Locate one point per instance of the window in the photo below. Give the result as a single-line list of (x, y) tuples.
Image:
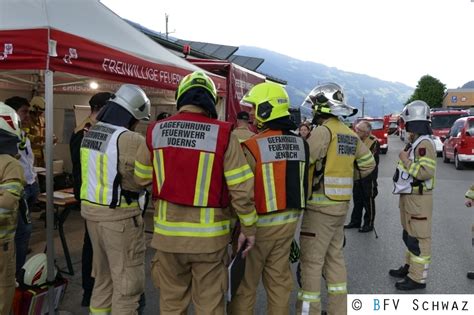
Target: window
[(376, 124), (443, 121), (470, 127), (456, 128)]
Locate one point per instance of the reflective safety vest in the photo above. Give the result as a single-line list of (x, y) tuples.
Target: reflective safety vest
[(339, 167), (403, 181), (99, 165), (188, 160), (281, 170)]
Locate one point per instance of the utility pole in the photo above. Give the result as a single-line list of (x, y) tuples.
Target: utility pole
[(363, 106), (166, 26)]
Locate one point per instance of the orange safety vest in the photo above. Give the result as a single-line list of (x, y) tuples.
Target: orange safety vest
[(281, 170), (188, 160)]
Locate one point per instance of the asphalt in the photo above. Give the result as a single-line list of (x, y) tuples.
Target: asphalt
[(368, 259)]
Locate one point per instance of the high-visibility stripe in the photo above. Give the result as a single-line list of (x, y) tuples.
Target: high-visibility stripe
[(365, 159), (203, 179), (84, 171), (142, 170), (337, 288), (14, 188), (278, 218), (423, 260), (100, 311), (207, 215), (123, 204), (162, 206), (338, 191), (7, 231), (309, 296), (4, 211), (320, 199), (192, 229), (338, 180), (269, 186), (249, 218), (302, 190), (159, 166), (238, 175)]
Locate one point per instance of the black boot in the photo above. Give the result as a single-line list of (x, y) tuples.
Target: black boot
[(470, 275), (407, 284), (352, 225), (401, 272), (366, 228)]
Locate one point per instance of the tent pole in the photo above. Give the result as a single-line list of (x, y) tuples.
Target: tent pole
[(49, 185)]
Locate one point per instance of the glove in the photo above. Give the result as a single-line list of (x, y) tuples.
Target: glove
[(143, 199)]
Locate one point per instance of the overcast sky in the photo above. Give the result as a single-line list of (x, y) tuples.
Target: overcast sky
[(393, 40)]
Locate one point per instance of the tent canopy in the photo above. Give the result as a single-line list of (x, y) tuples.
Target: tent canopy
[(58, 35)]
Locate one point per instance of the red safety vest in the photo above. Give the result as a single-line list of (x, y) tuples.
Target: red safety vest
[(188, 160), (281, 170)]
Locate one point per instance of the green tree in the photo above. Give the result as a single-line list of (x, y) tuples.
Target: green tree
[(430, 90)]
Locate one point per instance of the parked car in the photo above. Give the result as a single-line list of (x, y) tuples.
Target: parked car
[(379, 130), (459, 144)]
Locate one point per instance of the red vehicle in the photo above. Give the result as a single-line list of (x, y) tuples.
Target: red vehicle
[(379, 130), (459, 143), (442, 120)]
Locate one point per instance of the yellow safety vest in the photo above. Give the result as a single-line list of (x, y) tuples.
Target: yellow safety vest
[(339, 167)]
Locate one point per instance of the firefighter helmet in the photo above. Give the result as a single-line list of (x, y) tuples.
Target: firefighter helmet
[(416, 111), (134, 100), (196, 79), (9, 120), (35, 271), (269, 100), (328, 98)]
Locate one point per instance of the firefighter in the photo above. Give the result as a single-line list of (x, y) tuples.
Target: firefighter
[(334, 149), (36, 128), (197, 163), (242, 131), (365, 189), (414, 181), (469, 202), (279, 160), (110, 202), (96, 103), (11, 190)]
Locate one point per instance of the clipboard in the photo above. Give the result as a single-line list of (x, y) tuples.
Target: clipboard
[(236, 272)]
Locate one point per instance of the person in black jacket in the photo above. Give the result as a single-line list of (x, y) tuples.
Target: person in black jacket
[(365, 190), (96, 103)]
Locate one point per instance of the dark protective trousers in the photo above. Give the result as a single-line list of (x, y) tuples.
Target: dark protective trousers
[(363, 195)]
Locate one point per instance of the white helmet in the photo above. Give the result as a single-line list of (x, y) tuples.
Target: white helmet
[(36, 270), (328, 98), (416, 111), (134, 100), (9, 120)]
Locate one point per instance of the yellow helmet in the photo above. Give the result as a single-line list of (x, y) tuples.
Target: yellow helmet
[(270, 101), (196, 79)]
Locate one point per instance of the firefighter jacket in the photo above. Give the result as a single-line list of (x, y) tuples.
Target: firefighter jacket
[(11, 190), (417, 174), (280, 161), (178, 225), (127, 148), (196, 145), (333, 150), (470, 193), (243, 133), (280, 171)]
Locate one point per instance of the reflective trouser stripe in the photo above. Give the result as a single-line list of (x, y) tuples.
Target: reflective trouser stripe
[(278, 218), (309, 296), (100, 311), (14, 188), (269, 187), (302, 190), (425, 261), (337, 288), (159, 166), (238, 175), (203, 179), (249, 218)]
